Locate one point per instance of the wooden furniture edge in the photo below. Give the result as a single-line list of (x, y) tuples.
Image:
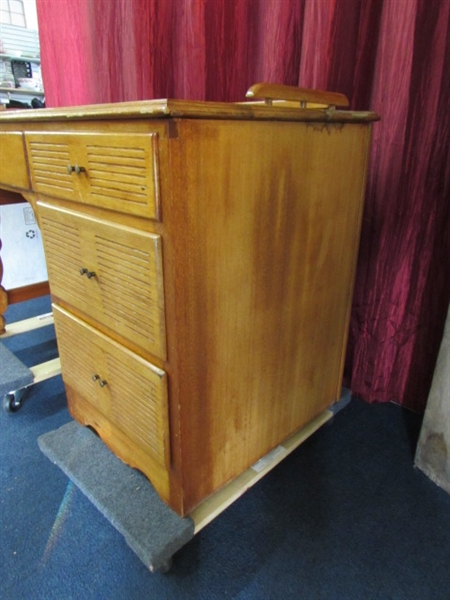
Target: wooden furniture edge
[(166, 108), (274, 91), (27, 292), (208, 510)]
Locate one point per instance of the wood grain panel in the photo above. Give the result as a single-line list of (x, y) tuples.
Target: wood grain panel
[(120, 172), (271, 217), (116, 172), (136, 405), (133, 394), (79, 367), (49, 160), (126, 293), (64, 259), (13, 164)]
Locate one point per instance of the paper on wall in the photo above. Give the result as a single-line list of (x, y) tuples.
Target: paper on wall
[(22, 252)]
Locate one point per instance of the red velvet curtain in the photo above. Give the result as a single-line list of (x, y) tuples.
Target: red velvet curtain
[(392, 56)]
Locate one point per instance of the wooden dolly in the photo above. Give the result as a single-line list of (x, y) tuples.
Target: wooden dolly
[(16, 379), (130, 503)]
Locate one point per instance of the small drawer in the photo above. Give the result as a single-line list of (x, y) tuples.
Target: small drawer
[(109, 272), (13, 164), (128, 390), (114, 171)]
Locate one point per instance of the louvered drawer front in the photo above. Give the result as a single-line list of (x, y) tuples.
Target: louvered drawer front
[(129, 391), (114, 171), (110, 272)]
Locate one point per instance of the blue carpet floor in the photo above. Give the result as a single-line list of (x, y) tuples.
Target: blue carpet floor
[(346, 516)]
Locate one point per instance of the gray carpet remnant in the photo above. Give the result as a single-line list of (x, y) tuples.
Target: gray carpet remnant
[(13, 373), (125, 496)]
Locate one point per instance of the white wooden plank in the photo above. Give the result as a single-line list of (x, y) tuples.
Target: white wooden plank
[(27, 325), (46, 370)]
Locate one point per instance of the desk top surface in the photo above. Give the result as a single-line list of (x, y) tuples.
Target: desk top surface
[(165, 108)]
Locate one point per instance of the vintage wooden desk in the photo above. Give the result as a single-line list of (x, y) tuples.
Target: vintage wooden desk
[(201, 259)]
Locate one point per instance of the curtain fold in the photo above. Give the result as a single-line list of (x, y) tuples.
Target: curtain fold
[(389, 56), (66, 51), (402, 290)]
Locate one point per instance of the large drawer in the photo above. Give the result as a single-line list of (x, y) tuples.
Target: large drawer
[(114, 171), (128, 390), (110, 272)]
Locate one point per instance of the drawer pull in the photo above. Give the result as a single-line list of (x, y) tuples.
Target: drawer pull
[(89, 274), (101, 382), (75, 168)]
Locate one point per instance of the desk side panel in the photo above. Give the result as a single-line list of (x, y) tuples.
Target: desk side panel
[(267, 219)]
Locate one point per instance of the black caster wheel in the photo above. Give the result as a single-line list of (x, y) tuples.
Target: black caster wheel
[(10, 403), (14, 400)]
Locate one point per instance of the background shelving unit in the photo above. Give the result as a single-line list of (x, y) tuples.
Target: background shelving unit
[(19, 45)]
